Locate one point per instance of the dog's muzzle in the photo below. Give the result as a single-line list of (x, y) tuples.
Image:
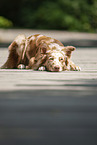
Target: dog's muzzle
[(56, 68)]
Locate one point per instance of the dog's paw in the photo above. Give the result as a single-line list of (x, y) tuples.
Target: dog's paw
[(77, 68), (42, 68), (21, 66)]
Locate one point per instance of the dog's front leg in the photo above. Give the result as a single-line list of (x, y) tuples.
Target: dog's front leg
[(39, 65), (35, 63), (73, 67), (31, 63)]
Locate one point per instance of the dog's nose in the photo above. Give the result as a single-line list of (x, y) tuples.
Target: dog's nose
[(56, 68)]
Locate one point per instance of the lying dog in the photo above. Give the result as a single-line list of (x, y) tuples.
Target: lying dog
[(39, 52)]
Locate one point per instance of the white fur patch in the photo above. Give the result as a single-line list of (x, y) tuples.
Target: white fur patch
[(49, 41), (32, 38), (21, 66), (56, 54), (54, 61), (20, 38), (39, 36), (56, 57), (42, 68), (58, 47)]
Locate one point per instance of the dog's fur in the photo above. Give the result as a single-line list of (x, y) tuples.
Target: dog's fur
[(39, 52)]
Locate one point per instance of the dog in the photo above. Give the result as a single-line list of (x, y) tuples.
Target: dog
[(39, 52)]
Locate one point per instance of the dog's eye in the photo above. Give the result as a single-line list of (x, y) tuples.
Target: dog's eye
[(51, 58), (60, 58)]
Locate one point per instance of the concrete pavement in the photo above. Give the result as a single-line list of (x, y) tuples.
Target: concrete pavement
[(29, 79), (79, 39), (7, 35)]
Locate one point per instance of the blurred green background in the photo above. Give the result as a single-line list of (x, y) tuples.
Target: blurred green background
[(70, 15)]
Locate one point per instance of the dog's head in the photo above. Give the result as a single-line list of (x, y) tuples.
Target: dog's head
[(58, 60), (55, 61)]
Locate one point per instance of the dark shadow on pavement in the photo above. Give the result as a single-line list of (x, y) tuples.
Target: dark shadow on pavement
[(49, 117), (81, 43), (76, 43)]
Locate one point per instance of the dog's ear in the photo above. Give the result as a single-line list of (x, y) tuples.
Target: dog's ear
[(43, 48), (68, 50), (12, 46)]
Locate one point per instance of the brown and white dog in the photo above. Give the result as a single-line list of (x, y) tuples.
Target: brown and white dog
[(39, 52)]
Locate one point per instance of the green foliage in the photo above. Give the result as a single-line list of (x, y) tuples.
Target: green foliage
[(5, 23), (72, 15)]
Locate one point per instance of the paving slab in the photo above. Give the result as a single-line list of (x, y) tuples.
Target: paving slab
[(48, 108), (78, 39)]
